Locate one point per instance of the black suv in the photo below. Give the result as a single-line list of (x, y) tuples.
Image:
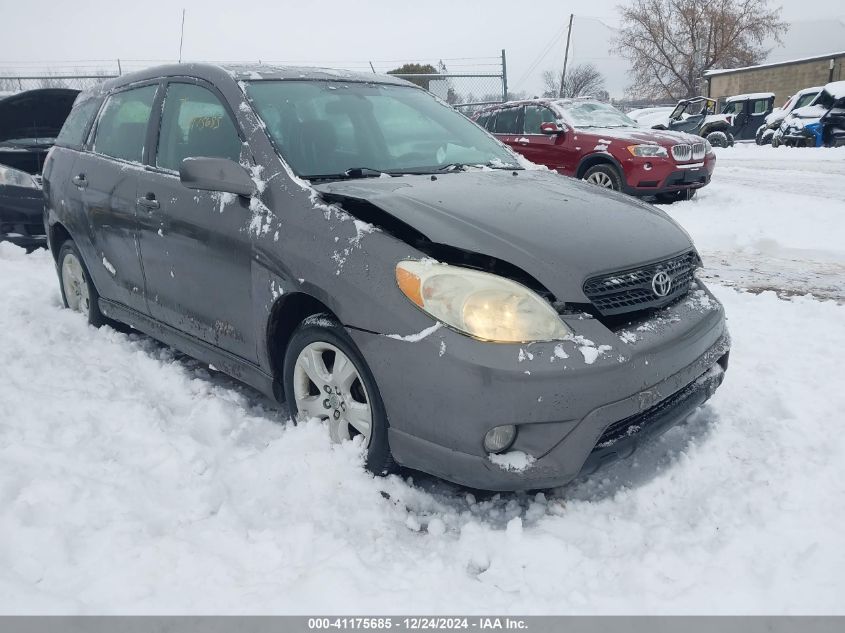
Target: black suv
[(29, 124)]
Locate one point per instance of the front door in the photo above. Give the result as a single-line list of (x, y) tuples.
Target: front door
[(551, 150), (195, 245)]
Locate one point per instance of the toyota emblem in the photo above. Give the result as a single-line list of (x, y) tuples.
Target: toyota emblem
[(661, 284)]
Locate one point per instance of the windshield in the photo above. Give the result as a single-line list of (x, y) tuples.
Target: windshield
[(326, 128), (806, 99), (594, 114)]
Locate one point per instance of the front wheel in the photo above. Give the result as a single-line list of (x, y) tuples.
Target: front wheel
[(718, 139), (325, 377), (604, 176), (78, 292)]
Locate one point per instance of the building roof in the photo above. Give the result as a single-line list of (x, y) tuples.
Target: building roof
[(725, 71)]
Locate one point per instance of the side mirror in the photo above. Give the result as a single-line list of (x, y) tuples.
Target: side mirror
[(552, 129), (216, 174)]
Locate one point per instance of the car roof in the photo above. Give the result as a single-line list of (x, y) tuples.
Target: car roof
[(542, 101), (752, 95), (215, 73)]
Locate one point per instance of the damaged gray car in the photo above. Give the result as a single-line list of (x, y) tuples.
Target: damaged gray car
[(353, 246)]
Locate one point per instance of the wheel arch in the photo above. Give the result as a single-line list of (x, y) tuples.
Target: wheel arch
[(599, 158), (286, 313), (57, 235)]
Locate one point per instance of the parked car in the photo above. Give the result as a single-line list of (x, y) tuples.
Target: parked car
[(747, 113), (29, 123), (588, 139), (698, 116), (350, 244), (820, 124), (650, 117), (773, 120)]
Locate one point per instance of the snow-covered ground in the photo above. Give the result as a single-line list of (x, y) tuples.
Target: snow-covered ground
[(135, 480), (772, 219)]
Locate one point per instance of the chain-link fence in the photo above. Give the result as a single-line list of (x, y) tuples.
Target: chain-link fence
[(467, 84)]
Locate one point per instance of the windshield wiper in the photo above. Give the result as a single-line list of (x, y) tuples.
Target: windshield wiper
[(353, 173), (465, 166)]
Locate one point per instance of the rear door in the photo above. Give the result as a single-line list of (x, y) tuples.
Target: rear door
[(195, 245), (507, 125), (106, 179)]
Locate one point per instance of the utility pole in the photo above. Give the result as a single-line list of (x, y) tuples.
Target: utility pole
[(182, 36), (565, 55)]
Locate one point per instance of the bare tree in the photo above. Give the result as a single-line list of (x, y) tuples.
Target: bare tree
[(581, 81), (671, 43)]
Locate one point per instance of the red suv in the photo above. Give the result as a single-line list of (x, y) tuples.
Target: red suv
[(592, 140)]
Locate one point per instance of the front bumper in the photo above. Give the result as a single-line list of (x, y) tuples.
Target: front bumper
[(444, 392), (22, 216), (666, 176)]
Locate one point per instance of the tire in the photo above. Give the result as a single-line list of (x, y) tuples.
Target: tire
[(717, 139), (731, 139), (676, 196), (78, 291), (776, 141), (758, 137), (604, 176), (319, 339)]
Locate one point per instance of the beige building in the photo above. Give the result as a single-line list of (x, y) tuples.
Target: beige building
[(782, 78)]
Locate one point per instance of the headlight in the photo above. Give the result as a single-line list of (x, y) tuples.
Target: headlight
[(480, 304), (16, 178), (648, 151)]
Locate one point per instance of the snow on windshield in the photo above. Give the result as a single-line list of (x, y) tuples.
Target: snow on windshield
[(594, 114)]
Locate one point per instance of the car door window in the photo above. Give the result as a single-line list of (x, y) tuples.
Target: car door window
[(759, 106), (122, 127), (535, 116), (194, 123), (734, 107), (75, 128), (506, 121), (490, 123)]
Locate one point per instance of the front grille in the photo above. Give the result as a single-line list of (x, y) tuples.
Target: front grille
[(682, 152), (633, 289), (698, 151)]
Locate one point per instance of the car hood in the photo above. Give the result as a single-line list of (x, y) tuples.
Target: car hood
[(559, 230), (634, 135), (35, 113)]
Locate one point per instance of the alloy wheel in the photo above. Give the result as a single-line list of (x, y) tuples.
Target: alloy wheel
[(601, 179), (328, 386), (74, 285)]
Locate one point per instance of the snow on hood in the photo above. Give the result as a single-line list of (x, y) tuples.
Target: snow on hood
[(666, 138), (557, 229), (809, 112)]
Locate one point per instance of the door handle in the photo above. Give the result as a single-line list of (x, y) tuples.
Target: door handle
[(80, 181), (149, 201)]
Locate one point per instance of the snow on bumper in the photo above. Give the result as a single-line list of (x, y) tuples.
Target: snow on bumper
[(443, 392)]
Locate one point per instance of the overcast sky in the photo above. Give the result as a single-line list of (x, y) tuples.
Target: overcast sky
[(344, 33)]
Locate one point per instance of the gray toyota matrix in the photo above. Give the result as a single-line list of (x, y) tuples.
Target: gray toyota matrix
[(352, 245)]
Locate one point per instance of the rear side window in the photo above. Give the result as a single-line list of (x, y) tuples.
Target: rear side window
[(195, 123), (122, 127), (75, 128), (506, 121)]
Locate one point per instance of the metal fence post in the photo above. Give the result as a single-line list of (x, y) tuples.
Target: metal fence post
[(504, 77)]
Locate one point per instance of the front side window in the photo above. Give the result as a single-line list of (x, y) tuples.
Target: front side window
[(122, 128), (77, 123), (594, 114), (536, 116), (734, 107), (325, 128), (194, 123), (806, 99)]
